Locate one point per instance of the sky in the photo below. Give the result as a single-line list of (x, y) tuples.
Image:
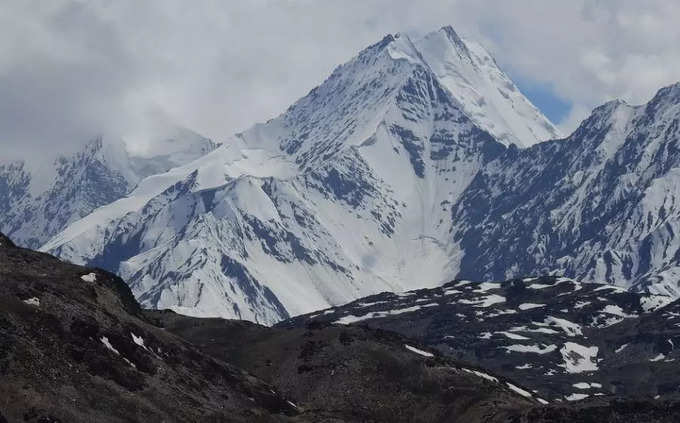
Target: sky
[(70, 70)]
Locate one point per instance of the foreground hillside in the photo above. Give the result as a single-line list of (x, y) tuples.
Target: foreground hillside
[(76, 347)]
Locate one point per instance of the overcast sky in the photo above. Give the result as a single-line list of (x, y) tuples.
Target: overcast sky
[(72, 69)]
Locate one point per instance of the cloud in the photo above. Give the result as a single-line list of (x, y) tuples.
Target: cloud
[(72, 69)]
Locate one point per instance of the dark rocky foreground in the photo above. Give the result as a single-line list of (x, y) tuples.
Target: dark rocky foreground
[(76, 347)]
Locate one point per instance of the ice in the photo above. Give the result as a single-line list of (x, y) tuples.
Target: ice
[(483, 302), (138, 340), (349, 319), (539, 286), (616, 311), (513, 336)]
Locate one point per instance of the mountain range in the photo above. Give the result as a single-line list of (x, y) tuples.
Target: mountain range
[(415, 163)]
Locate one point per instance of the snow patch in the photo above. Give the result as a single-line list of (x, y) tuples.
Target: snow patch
[(658, 357), (349, 319), (418, 351), (35, 301), (536, 349), (576, 397), (578, 358), (482, 375), (90, 277), (529, 306), (108, 345), (621, 348), (519, 390), (654, 302)]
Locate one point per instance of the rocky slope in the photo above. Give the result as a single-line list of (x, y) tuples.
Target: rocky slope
[(76, 347), (562, 339)]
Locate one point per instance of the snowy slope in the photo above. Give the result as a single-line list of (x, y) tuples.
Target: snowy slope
[(347, 193), (102, 172), (484, 91)]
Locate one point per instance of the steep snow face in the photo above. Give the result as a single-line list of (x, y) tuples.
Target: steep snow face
[(99, 174), (483, 90), (347, 193), (601, 205)]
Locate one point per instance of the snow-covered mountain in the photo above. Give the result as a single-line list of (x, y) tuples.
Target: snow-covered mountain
[(599, 206), (102, 172), (386, 177), (347, 193)]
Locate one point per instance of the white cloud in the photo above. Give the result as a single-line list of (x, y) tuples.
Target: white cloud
[(70, 69)]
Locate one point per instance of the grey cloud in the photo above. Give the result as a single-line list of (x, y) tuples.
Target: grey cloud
[(73, 69)]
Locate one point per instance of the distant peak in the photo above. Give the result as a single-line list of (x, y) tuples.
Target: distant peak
[(452, 35), (387, 39), (670, 92), (608, 108), (450, 32)]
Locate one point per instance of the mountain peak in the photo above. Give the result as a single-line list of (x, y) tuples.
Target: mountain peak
[(454, 38), (669, 94), (486, 94)]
